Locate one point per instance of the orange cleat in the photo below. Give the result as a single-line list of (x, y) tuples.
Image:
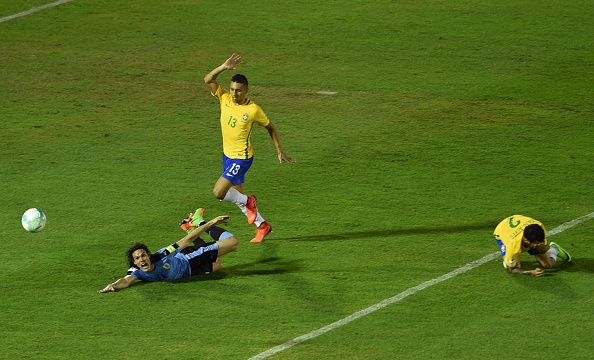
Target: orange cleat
[(193, 220), (263, 230), (251, 209), (185, 224)]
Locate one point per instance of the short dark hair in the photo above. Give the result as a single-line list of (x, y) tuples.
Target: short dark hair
[(132, 249), (534, 233), (239, 78)]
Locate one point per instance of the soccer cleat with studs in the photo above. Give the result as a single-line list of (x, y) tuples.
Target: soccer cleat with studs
[(251, 210), (562, 253), (197, 218), (192, 221), (185, 224), (263, 230)]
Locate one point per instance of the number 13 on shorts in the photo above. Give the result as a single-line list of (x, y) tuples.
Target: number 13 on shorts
[(233, 170)]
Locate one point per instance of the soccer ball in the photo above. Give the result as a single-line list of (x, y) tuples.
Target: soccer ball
[(33, 220)]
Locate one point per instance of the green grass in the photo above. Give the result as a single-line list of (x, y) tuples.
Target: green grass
[(448, 117)]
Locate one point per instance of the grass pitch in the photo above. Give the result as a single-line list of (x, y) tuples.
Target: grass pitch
[(447, 117)]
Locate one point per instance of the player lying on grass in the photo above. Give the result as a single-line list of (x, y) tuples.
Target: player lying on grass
[(180, 260), (519, 234)]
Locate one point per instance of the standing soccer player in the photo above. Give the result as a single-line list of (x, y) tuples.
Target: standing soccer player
[(238, 116)]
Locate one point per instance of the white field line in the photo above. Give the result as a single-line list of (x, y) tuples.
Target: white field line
[(403, 295), (35, 9), (570, 224)]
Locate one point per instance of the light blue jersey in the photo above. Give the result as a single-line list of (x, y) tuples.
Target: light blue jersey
[(170, 264)]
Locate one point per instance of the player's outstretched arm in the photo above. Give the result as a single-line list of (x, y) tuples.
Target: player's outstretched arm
[(520, 271), (188, 239), (118, 284), (211, 78), (277, 143)]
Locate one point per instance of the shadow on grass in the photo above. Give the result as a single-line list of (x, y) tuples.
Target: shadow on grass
[(555, 285), (391, 232), (274, 266), (576, 265)]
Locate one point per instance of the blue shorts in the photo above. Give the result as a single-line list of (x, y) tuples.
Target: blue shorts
[(234, 169), (501, 247)]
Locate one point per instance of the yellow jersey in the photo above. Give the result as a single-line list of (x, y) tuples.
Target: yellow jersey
[(509, 235), (236, 125)]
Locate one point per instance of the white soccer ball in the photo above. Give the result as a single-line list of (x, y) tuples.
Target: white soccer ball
[(33, 220)]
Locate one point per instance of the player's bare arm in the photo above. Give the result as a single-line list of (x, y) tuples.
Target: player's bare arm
[(519, 271), (211, 77), (188, 239), (277, 143), (118, 284)]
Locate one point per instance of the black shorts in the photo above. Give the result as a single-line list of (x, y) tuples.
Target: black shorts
[(201, 257)]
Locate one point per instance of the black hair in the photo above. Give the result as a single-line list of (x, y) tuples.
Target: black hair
[(534, 233), (132, 249), (239, 78)]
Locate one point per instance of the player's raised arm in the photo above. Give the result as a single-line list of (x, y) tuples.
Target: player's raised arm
[(211, 77), (118, 284), (188, 239)]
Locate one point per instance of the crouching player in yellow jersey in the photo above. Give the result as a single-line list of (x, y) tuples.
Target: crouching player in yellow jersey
[(519, 234), (238, 116)]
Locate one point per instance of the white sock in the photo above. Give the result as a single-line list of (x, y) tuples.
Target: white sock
[(235, 196), (259, 218), (242, 208), (552, 253)]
